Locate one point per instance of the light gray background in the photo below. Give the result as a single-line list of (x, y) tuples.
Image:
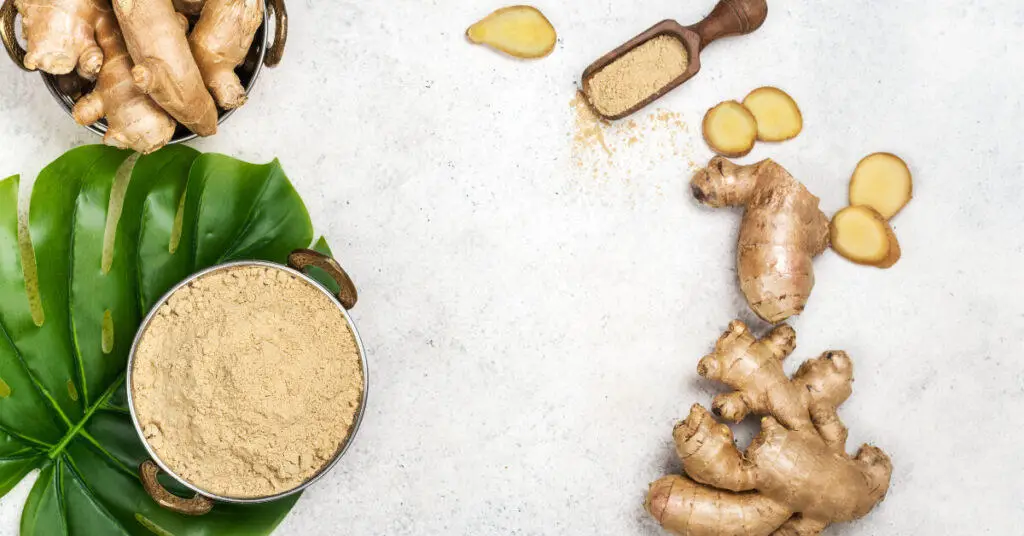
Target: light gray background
[(534, 314)]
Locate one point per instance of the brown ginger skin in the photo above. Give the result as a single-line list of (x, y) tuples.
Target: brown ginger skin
[(61, 35), (796, 478), (164, 67), (134, 121), (220, 41), (782, 231)]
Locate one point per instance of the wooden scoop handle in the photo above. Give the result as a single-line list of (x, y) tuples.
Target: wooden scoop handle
[(731, 17)]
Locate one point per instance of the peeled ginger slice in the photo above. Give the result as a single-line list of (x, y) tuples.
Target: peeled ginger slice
[(883, 182), (778, 116), (521, 31), (730, 129), (862, 235)]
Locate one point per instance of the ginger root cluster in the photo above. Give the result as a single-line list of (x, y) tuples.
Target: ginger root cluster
[(796, 477), (154, 67)]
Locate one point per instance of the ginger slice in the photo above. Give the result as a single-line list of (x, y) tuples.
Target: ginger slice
[(730, 129), (862, 235), (778, 116), (883, 182), (520, 31)]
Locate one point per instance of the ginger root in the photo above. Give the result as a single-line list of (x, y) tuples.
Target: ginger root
[(883, 182), (862, 235), (782, 231), (164, 67), (220, 41), (61, 35), (778, 117), (520, 31), (730, 129), (796, 477), (134, 121)]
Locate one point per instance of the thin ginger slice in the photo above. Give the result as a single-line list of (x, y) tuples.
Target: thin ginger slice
[(883, 182), (730, 129), (778, 116), (862, 235), (520, 31)]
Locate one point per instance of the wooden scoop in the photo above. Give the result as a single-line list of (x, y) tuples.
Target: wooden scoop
[(730, 17)]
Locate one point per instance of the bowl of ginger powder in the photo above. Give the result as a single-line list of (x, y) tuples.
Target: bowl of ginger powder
[(247, 382)]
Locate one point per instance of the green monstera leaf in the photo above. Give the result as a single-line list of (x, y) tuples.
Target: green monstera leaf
[(105, 245)]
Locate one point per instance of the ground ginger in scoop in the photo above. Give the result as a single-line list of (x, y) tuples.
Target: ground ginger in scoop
[(637, 75)]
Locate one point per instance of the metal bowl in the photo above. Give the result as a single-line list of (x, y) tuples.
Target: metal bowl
[(203, 501), (66, 89)]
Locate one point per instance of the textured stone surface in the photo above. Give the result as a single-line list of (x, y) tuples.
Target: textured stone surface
[(534, 320)]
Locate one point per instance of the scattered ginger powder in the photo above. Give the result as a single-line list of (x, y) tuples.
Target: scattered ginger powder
[(247, 382), (637, 75)]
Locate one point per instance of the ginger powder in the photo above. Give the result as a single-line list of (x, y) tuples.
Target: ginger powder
[(637, 75), (247, 382)]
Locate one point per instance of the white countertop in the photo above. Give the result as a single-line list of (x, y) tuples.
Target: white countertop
[(534, 312)]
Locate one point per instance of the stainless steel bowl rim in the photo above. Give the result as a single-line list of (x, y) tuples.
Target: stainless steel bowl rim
[(355, 424)]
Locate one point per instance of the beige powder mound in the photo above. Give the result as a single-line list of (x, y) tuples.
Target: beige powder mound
[(247, 382), (638, 74)]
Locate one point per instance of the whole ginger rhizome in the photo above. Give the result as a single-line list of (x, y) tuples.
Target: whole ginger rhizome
[(796, 477), (247, 381)]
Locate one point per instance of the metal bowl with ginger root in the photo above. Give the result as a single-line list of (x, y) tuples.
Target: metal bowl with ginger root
[(69, 81)]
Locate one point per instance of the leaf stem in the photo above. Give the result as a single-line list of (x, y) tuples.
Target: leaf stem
[(59, 447), (31, 375), (39, 443), (120, 465)]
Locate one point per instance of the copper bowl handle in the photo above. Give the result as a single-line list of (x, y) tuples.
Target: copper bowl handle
[(301, 259), (196, 506), (7, 15), (276, 50)]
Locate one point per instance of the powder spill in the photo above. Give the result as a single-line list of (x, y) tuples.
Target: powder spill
[(637, 75), (603, 148), (247, 382), (590, 127)]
